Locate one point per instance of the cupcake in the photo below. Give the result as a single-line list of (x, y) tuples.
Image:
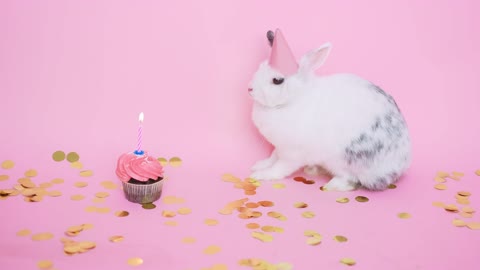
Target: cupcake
[(141, 176)]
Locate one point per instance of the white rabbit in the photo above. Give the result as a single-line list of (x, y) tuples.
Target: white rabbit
[(340, 124)]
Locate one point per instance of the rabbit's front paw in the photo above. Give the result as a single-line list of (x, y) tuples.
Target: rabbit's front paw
[(339, 184), (267, 174), (263, 164), (315, 171)]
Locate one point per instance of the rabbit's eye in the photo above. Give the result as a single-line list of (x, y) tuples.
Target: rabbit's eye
[(277, 81)]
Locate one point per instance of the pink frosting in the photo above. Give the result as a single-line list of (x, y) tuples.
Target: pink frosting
[(140, 168)]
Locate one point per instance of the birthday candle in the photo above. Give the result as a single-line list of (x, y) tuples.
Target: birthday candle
[(139, 138)]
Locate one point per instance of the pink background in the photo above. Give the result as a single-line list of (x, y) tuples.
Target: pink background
[(74, 76)]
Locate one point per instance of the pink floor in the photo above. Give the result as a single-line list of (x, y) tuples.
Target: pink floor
[(75, 75)]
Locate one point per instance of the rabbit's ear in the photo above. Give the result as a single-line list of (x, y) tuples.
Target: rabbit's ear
[(315, 58)]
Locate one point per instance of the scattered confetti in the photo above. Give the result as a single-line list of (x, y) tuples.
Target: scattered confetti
[(210, 250), (342, 200), (464, 193), (23, 232), (173, 200), (86, 173), (54, 193), (266, 203), (175, 162), (77, 197), (184, 211), (98, 200), (300, 205), (148, 206), (278, 185), (4, 177), (171, 223), (252, 205), (262, 236), (135, 261), (57, 181), (72, 157), (109, 185), (122, 213), (259, 264), (392, 186), (80, 184), (168, 214), (163, 161), (404, 215), (277, 215), (42, 236), (308, 214), (442, 174), (45, 264), (340, 238), (348, 261), (474, 225), (468, 209), (477, 172), (459, 223), (211, 222), (451, 208), (116, 238), (361, 199), (76, 165), (252, 226), (31, 173), (466, 215), (440, 186), (8, 164), (102, 194), (58, 156), (189, 240)]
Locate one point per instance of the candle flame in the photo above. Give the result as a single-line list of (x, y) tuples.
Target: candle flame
[(140, 117)]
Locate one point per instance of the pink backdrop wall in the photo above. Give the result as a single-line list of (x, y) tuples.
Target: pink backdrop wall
[(74, 76)]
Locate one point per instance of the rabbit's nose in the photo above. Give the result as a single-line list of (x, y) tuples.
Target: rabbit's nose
[(250, 89)]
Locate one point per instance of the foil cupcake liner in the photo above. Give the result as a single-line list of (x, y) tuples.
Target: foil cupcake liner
[(143, 193)]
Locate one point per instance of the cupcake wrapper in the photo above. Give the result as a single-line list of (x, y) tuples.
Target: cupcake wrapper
[(143, 193)]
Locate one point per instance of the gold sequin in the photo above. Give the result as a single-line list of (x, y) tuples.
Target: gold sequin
[(58, 156), (73, 157)]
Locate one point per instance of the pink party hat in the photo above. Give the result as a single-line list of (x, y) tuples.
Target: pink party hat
[(281, 57)]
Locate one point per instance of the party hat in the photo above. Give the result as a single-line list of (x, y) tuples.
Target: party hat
[(281, 57)]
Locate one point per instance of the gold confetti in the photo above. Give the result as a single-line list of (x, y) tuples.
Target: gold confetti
[(230, 178), (253, 226), (116, 239), (463, 200), (76, 165), (252, 205), (468, 209), (102, 194), (278, 185), (464, 193), (135, 261), (474, 225), (314, 240), (277, 215), (311, 233), (98, 200), (348, 261), (299, 179), (361, 199), (266, 203), (103, 210), (477, 172), (80, 184), (171, 223), (58, 156), (210, 250), (211, 222), (163, 161), (168, 214), (4, 177), (309, 182), (73, 157), (77, 197), (57, 181), (466, 215), (175, 162), (148, 206), (300, 205), (308, 214), (184, 211), (440, 180), (173, 200), (404, 215), (442, 174), (31, 173), (86, 173), (459, 223), (54, 193), (340, 238), (451, 208), (42, 236), (219, 267), (23, 232), (189, 240), (262, 236), (87, 226), (392, 186), (45, 185), (121, 213), (8, 164), (440, 186), (90, 209), (342, 200), (45, 264), (108, 185), (250, 192), (268, 228)]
